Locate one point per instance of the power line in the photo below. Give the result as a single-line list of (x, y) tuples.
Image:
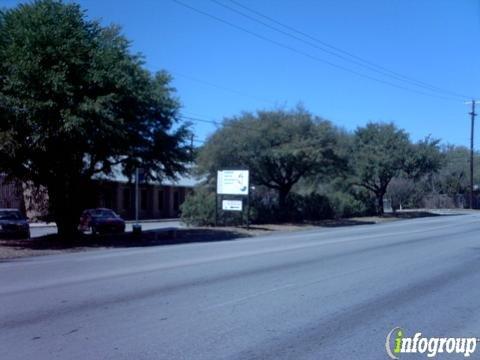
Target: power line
[(191, 118), (197, 119), (201, 142), (333, 50), (216, 123), (243, 127), (264, 38), (228, 89)]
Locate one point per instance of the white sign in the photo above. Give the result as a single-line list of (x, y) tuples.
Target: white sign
[(232, 182), (232, 205)]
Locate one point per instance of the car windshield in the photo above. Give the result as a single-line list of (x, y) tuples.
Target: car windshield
[(10, 215), (102, 213)]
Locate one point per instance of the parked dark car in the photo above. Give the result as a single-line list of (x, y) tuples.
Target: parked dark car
[(101, 221), (13, 224)]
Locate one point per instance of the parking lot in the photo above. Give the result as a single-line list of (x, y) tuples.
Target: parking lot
[(42, 229)]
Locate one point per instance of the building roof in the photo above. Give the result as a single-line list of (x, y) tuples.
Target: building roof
[(185, 180)]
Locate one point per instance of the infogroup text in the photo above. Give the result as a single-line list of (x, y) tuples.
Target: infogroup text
[(397, 343)]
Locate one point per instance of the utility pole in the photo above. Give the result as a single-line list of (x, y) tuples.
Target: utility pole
[(472, 133)]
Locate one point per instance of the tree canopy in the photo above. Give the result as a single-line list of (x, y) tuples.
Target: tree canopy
[(278, 147), (382, 152), (454, 176), (75, 102)]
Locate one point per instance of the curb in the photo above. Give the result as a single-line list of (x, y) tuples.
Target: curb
[(129, 222)]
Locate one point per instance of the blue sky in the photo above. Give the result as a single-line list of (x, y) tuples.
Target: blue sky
[(433, 41)]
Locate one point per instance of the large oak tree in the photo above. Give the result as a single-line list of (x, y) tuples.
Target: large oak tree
[(278, 147), (75, 102), (382, 152)]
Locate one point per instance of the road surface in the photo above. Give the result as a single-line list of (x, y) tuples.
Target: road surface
[(317, 294)]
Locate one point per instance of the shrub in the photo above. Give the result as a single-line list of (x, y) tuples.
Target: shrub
[(347, 205), (264, 206), (310, 207), (298, 208), (198, 208)]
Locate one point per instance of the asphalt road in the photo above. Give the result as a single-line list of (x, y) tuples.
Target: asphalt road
[(321, 294), (42, 230)]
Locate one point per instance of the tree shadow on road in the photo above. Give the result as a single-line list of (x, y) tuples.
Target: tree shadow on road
[(125, 240), (413, 214), (342, 222)]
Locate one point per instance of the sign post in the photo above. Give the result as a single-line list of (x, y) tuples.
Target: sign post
[(216, 210), (248, 211), (232, 205), (232, 182), (235, 183)]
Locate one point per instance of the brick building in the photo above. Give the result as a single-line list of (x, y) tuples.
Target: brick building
[(156, 201), (11, 194)]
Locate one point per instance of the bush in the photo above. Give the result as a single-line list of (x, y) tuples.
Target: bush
[(311, 207), (346, 205), (298, 208), (198, 208), (264, 206)]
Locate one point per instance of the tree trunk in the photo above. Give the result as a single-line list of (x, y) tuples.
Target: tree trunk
[(380, 210), (65, 199), (282, 202), (67, 228), (282, 197)]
